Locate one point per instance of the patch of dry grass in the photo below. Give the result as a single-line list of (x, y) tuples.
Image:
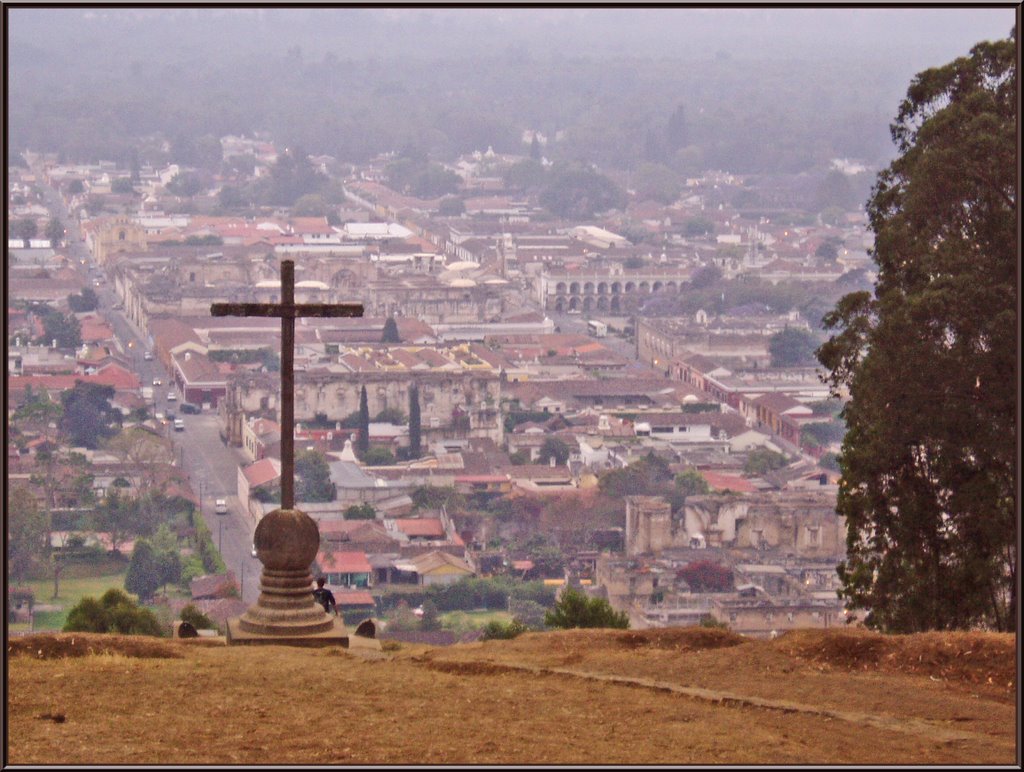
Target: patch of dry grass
[(127, 700)]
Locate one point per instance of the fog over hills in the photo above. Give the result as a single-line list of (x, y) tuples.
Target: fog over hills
[(764, 89), (923, 36)]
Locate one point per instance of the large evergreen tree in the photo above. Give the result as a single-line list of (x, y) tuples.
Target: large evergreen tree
[(415, 438), (390, 332), (143, 576), (928, 463), (313, 477), (363, 439)]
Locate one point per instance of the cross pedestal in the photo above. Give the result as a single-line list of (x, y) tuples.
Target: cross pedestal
[(286, 542)]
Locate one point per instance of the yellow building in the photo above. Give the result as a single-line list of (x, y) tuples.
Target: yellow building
[(117, 235)]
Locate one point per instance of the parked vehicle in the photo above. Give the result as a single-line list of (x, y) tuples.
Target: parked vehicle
[(220, 506), (179, 425), (188, 407), (171, 396), (148, 356)]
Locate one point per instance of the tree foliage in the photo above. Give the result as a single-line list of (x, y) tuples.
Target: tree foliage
[(763, 460), (114, 612), (691, 483), (379, 456), (575, 609), (27, 531), (196, 618), (26, 228), (433, 497), (390, 332), (87, 300), (54, 232), (291, 177), (421, 178), (313, 477), (554, 448), (363, 511), (63, 328), (577, 191), (143, 577), (792, 348), (185, 184), (363, 438), (415, 427), (929, 358), (645, 477), (707, 576), (88, 417)]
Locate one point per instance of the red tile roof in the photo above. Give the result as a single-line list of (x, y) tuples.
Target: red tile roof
[(355, 598), (423, 526), (344, 563), (262, 472), (110, 376), (95, 329), (728, 482)]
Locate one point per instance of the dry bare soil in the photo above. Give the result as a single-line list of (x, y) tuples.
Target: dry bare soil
[(669, 696)]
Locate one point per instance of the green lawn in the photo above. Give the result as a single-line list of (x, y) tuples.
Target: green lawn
[(463, 621), (72, 590)]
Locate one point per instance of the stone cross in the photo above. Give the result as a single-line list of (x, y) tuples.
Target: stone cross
[(287, 540), (288, 310)]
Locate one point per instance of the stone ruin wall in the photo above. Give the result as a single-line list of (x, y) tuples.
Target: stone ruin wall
[(803, 524)]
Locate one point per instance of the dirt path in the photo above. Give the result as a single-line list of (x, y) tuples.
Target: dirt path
[(907, 725)]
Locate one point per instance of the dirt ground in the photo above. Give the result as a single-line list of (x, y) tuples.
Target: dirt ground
[(666, 696)]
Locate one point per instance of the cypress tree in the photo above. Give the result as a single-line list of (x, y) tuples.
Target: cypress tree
[(143, 577), (415, 449), (363, 440), (390, 333)]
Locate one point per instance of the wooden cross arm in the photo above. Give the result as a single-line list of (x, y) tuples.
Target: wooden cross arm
[(277, 310)]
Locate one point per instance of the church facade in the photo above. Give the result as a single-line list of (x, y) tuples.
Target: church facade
[(452, 403)]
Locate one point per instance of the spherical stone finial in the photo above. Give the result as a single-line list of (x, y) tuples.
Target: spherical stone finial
[(286, 539)]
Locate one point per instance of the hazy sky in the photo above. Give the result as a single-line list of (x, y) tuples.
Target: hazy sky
[(921, 36)]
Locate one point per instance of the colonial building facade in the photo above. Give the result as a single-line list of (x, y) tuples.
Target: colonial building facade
[(452, 404)]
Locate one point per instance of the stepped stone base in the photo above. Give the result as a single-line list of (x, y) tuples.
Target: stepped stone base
[(335, 635), (286, 614)]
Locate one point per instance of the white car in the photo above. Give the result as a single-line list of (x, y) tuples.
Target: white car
[(171, 396), (148, 356), (220, 506)]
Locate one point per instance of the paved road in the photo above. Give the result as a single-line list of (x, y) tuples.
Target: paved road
[(212, 469), (575, 323)]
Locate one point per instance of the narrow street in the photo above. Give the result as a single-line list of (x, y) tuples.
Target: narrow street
[(212, 469)]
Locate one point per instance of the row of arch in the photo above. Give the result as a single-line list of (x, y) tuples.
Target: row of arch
[(587, 303), (613, 288)]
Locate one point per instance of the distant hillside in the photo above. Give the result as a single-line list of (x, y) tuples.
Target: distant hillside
[(667, 696)]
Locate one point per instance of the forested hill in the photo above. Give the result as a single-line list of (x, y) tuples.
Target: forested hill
[(352, 83)]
